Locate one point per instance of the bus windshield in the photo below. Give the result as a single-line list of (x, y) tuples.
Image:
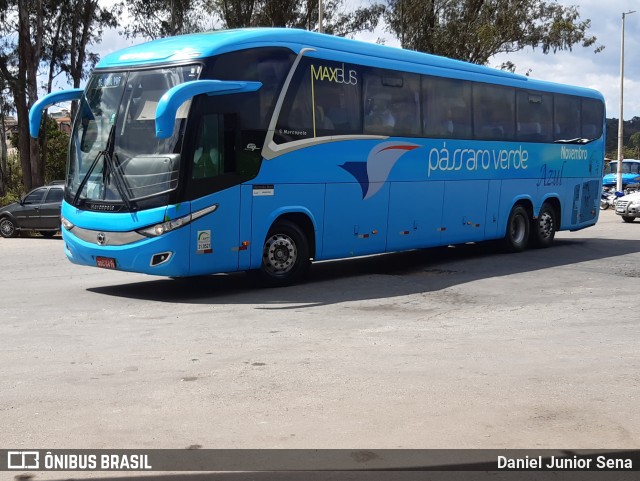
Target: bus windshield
[(627, 168), (115, 156)]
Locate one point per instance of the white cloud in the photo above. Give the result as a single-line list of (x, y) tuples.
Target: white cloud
[(583, 67)]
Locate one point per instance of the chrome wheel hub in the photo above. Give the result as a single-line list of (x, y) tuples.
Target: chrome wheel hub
[(7, 228), (280, 254), (545, 223)]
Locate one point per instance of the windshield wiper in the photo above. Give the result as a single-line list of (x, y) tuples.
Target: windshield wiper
[(110, 168), (118, 181), (84, 181), (102, 153), (578, 140)]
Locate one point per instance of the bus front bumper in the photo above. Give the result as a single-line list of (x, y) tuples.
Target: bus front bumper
[(164, 255)]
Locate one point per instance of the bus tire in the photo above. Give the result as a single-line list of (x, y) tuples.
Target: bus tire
[(518, 226), (543, 228), (285, 255)]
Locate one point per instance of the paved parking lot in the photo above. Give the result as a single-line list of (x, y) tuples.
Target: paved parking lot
[(444, 348)]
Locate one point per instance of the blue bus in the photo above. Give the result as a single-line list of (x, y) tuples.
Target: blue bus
[(266, 149), (630, 173)]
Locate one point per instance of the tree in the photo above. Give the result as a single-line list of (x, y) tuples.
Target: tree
[(84, 22), (240, 13), (163, 18), (634, 140), (57, 148), (19, 65), (297, 14), (475, 30), (5, 109), (45, 34)]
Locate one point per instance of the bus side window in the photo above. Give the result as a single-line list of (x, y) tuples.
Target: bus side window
[(592, 114), (391, 104), (493, 112), (446, 106), (323, 99), (534, 116), (567, 117), (208, 160)]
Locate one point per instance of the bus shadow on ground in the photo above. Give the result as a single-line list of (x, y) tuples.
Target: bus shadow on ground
[(385, 275)]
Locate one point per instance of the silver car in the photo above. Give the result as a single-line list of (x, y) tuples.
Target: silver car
[(629, 207)]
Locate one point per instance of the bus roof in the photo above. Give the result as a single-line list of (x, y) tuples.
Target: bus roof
[(203, 45)]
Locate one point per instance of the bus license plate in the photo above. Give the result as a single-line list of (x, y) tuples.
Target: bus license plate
[(106, 262)]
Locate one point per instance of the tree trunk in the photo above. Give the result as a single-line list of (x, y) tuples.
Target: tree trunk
[(30, 52), (20, 94), (3, 151)]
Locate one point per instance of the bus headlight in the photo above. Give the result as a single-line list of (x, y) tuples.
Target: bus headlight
[(159, 229), (165, 227), (66, 224)]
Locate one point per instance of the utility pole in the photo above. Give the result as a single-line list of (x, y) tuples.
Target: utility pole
[(621, 120)]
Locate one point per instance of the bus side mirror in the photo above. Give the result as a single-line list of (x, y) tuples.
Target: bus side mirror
[(35, 113), (171, 101)]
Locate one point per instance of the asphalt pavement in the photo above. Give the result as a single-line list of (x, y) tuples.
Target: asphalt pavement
[(463, 347)]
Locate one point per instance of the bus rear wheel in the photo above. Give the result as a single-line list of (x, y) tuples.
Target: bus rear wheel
[(285, 255), (543, 229), (517, 236)]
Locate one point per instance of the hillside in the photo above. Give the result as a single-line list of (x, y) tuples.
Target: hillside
[(630, 127)]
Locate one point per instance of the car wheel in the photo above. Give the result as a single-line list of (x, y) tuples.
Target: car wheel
[(7, 228), (628, 218), (517, 236), (543, 229), (285, 255)]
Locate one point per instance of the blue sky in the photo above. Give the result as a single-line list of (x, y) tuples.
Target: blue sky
[(581, 66)]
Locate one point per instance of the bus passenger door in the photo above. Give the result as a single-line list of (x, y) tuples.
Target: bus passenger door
[(214, 180), (464, 211), (214, 241), (415, 215), (354, 226)]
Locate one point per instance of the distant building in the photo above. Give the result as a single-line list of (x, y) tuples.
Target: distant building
[(63, 119), (11, 128)]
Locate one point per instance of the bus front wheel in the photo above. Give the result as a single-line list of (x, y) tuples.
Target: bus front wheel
[(517, 236), (285, 255)]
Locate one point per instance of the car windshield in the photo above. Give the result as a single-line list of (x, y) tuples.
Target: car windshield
[(115, 156)]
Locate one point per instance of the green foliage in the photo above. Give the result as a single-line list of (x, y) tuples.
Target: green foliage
[(297, 14), (475, 30), (57, 148), (634, 140), (163, 18), (15, 188), (631, 127)]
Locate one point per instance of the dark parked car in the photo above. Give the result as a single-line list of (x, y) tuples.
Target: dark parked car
[(39, 210)]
